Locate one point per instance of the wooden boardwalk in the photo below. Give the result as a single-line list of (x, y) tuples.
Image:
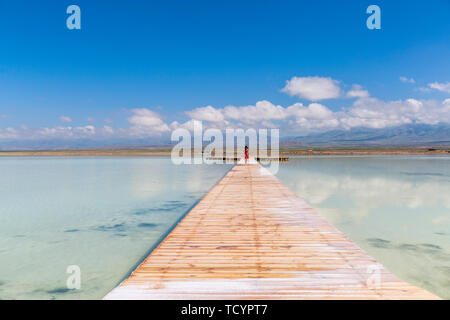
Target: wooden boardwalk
[(251, 237)]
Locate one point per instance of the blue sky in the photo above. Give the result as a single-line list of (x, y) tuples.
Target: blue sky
[(173, 57)]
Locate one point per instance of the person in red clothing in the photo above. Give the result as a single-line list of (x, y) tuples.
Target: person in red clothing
[(246, 154)]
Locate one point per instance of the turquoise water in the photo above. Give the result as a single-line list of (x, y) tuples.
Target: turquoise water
[(397, 208), (102, 214)]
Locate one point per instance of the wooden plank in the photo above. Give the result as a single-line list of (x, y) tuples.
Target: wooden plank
[(251, 237)]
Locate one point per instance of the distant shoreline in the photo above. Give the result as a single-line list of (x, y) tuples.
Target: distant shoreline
[(167, 152)]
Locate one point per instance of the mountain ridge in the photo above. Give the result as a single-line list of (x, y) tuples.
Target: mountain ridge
[(416, 135)]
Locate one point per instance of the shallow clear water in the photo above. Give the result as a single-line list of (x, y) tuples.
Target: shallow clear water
[(397, 208), (102, 214)]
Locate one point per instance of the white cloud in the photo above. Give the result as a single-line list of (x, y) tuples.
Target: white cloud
[(146, 122), (108, 130), (8, 133), (188, 125), (207, 113), (143, 122), (262, 114), (262, 110), (65, 119), (312, 88), (358, 92), (314, 111), (375, 113), (296, 118), (60, 132), (364, 112), (444, 87), (407, 80), (265, 114)]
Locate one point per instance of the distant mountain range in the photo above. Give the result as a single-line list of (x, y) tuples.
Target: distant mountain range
[(418, 135)]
